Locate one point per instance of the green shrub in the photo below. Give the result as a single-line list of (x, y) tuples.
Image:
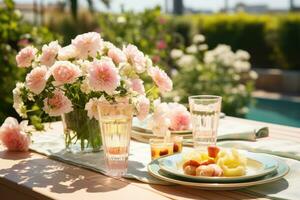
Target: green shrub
[(240, 31), (150, 31), (219, 71), (14, 35), (289, 42), (67, 26), (272, 40), (184, 28)]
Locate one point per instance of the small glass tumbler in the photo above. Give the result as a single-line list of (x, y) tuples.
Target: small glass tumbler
[(205, 112), (177, 143), (160, 147), (115, 123)]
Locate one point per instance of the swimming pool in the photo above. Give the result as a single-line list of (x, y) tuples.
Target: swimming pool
[(275, 111)]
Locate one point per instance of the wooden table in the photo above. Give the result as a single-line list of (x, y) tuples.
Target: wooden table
[(34, 176)]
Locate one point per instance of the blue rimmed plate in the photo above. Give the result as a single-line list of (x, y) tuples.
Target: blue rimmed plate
[(258, 165), (280, 172)]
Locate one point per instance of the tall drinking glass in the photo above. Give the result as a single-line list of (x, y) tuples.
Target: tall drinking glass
[(115, 123), (205, 111)]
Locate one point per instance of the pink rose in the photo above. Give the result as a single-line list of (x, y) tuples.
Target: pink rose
[(65, 72), (103, 76), (36, 80), (135, 57), (57, 104), (162, 20), (116, 55), (155, 58), (67, 52), (143, 107), (179, 116), (160, 122), (87, 44), (137, 85), (161, 79), (174, 116), (23, 42), (49, 53), (13, 136), (91, 108), (25, 57), (161, 44)]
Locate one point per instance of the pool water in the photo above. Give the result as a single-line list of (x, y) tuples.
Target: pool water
[(275, 111)]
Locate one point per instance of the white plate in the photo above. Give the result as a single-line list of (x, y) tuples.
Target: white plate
[(154, 170), (258, 165)]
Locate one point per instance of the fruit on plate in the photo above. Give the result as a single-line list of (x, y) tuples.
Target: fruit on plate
[(193, 163), (190, 170), (209, 170), (214, 162), (196, 156), (208, 161), (232, 162), (213, 151)]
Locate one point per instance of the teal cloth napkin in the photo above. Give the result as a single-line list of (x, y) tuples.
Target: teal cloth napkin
[(232, 130), (51, 143)]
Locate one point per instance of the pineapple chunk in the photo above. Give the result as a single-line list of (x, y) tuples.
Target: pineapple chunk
[(232, 163)]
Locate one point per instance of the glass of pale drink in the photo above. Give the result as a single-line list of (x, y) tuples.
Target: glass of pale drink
[(115, 124), (205, 112)]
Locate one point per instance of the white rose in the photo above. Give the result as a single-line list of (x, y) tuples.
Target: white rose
[(198, 38), (242, 55), (253, 75), (187, 61), (176, 53), (192, 49), (18, 104), (203, 47)]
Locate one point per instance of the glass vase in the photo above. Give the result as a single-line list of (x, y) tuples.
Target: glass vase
[(82, 134)]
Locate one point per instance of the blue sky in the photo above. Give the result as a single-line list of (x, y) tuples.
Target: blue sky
[(215, 5)]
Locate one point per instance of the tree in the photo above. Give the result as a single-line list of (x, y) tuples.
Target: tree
[(178, 7), (74, 6)]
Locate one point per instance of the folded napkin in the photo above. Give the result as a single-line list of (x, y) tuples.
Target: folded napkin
[(283, 148), (232, 130), (228, 130)]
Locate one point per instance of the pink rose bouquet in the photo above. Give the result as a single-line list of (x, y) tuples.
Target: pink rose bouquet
[(63, 79)]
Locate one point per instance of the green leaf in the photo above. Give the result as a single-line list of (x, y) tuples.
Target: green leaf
[(9, 4), (37, 122)]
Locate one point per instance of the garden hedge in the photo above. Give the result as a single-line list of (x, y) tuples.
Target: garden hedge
[(15, 34), (272, 40)]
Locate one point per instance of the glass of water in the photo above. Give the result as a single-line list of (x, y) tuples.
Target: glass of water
[(205, 111), (115, 124)]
